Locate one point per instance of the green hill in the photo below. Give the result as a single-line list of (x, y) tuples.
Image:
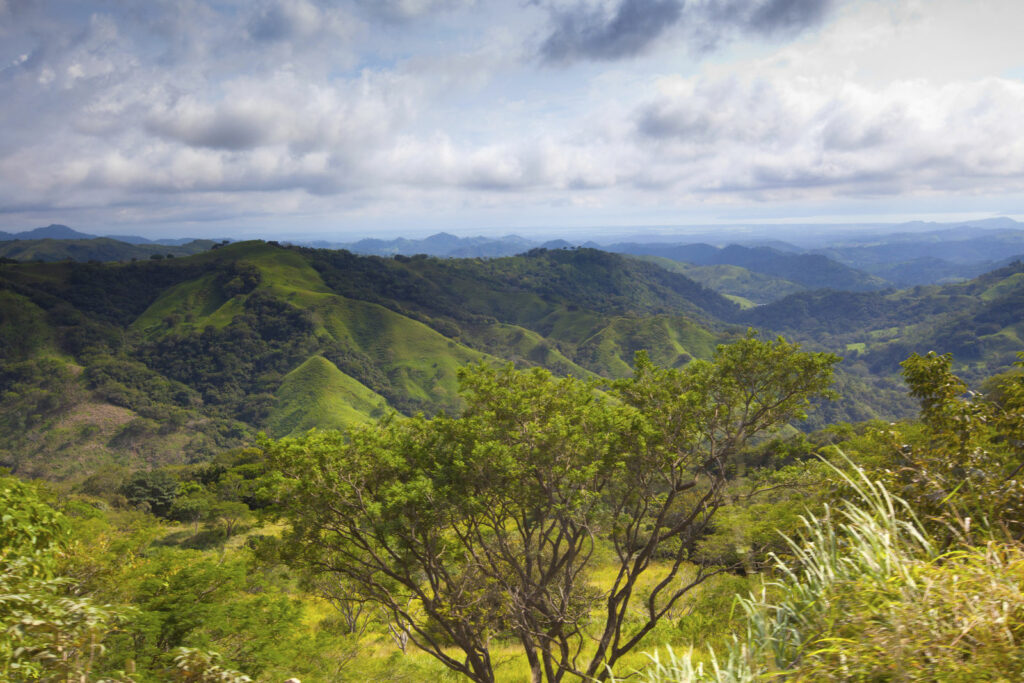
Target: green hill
[(812, 271), (732, 281), (980, 321), (96, 249), (167, 359), (317, 394)]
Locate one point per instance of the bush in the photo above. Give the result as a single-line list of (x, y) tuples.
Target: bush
[(869, 596)]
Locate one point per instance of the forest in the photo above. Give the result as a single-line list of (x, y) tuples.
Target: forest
[(262, 462)]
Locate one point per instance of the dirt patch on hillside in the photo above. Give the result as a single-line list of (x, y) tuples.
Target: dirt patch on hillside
[(104, 415)]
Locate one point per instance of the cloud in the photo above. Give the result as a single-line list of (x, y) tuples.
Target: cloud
[(593, 33), (290, 20), (289, 108), (784, 16), (285, 20), (406, 10), (759, 138), (228, 127), (631, 27)]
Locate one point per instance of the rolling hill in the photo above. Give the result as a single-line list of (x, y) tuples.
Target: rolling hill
[(94, 249), (812, 271), (167, 360)]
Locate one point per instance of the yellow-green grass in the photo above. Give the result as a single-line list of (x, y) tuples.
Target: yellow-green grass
[(516, 306), (518, 343), (197, 303), (378, 657), (1004, 287), (669, 341), (285, 271), (570, 326), (884, 333), (418, 360), (318, 394), (742, 301)]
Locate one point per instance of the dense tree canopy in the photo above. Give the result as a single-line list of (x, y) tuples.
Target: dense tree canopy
[(487, 525)]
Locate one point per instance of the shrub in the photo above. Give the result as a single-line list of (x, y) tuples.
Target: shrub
[(869, 595)]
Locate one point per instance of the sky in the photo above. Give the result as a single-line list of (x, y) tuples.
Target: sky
[(345, 119)]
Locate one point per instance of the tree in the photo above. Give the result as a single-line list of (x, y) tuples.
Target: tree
[(47, 631), (154, 490), (963, 459), (486, 526)]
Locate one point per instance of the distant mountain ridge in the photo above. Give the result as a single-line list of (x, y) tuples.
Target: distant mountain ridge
[(915, 253), (95, 249), (813, 271), (55, 231), (439, 244), (50, 232)]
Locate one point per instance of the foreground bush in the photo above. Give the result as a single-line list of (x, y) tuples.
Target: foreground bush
[(869, 596)]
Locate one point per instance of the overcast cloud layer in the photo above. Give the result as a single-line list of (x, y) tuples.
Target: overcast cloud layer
[(232, 118)]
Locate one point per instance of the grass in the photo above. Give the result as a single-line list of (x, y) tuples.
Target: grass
[(197, 300), (520, 344), (742, 301), (869, 596), (1003, 287), (318, 394), (418, 360), (669, 340), (570, 326)]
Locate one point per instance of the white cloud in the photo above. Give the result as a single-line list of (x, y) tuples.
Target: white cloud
[(817, 137), (223, 107)]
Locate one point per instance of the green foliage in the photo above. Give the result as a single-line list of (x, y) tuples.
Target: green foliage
[(47, 631), (31, 531), (485, 526), (318, 394), (230, 364), (870, 596), (196, 666), (33, 391), (23, 329), (963, 461), (131, 384), (153, 491)]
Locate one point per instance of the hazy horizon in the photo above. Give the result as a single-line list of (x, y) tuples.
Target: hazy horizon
[(798, 234)]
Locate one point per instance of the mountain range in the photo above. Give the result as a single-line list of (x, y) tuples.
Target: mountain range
[(171, 360)]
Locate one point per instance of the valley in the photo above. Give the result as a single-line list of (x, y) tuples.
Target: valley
[(162, 404)]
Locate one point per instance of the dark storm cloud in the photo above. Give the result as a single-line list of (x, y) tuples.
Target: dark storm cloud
[(587, 32), (784, 16), (719, 20)]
